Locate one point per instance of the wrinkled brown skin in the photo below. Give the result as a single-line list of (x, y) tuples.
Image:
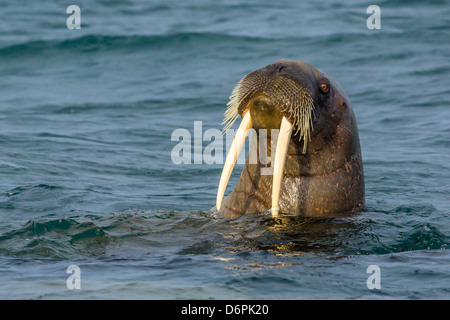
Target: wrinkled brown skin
[(326, 181)]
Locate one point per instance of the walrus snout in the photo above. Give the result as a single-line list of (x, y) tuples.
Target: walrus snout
[(275, 91), (286, 89)]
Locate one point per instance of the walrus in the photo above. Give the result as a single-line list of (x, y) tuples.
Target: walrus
[(317, 168)]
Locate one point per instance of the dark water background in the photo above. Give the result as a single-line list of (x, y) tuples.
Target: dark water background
[(86, 118)]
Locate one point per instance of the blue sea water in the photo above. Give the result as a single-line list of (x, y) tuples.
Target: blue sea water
[(87, 179)]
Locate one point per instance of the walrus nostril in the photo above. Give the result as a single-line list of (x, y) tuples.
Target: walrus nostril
[(277, 67), (281, 66)]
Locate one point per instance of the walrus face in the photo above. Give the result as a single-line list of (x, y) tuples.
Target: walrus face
[(292, 89), (293, 96)]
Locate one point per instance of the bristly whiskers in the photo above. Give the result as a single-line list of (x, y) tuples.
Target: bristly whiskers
[(295, 102)]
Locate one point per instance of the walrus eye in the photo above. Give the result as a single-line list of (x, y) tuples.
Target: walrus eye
[(324, 87)]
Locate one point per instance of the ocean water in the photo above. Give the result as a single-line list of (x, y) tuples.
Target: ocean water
[(87, 178)]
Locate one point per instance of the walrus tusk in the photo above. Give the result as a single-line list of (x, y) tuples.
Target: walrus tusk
[(284, 137), (236, 147)]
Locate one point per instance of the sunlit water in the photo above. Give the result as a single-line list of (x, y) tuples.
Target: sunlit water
[(87, 179)]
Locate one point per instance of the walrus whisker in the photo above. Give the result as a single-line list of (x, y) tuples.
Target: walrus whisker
[(232, 112)]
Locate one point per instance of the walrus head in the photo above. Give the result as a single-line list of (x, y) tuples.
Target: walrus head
[(317, 167)]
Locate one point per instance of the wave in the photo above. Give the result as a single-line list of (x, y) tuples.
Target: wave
[(96, 42), (134, 233)]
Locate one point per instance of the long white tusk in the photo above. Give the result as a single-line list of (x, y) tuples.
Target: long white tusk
[(284, 137), (236, 147)]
